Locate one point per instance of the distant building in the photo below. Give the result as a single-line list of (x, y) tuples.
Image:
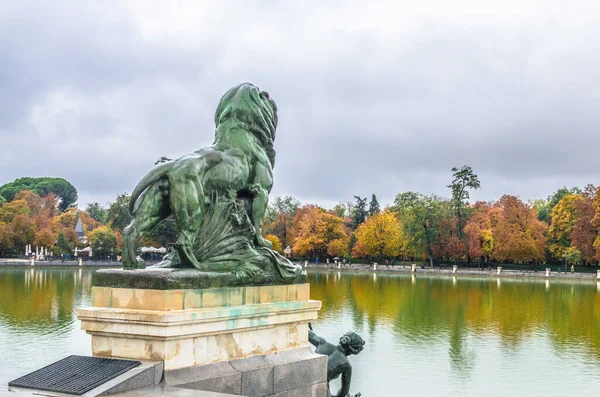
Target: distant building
[(287, 252), (80, 232)]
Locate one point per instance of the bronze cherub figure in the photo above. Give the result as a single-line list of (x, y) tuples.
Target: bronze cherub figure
[(337, 358)]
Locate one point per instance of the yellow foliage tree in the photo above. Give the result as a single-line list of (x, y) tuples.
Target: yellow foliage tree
[(275, 241), (338, 247), (563, 217), (10, 211), (380, 235)]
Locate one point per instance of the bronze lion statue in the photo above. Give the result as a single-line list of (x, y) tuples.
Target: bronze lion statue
[(217, 195)]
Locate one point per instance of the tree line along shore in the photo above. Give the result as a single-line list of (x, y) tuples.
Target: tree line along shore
[(560, 229)]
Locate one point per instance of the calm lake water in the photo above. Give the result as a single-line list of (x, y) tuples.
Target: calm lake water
[(426, 336)]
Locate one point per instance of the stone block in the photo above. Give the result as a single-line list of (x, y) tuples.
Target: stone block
[(290, 373), (160, 300), (179, 299), (101, 296), (143, 379), (319, 390), (218, 377), (257, 376), (302, 292), (298, 368)]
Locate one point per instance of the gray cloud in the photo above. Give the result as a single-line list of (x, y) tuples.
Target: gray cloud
[(377, 98)]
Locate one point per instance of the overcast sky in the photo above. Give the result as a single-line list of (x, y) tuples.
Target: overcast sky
[(373, 97)]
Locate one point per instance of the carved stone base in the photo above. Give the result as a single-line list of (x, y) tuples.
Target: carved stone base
[(185, 328)]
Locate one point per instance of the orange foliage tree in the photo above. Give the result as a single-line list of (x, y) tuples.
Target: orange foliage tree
[(518, 234), (315, 230), (478, 231), (584, 231), (596, 222), (449, 244)]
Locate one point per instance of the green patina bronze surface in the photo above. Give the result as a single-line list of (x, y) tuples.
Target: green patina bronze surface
[(218, 197), (337, 358)]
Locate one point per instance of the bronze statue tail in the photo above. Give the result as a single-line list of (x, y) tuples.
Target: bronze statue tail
[(157, 173)]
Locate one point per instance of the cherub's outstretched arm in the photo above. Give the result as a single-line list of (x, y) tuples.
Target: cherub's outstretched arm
[(315, 339)]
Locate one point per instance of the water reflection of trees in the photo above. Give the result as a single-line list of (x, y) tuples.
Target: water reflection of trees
[(40, 298), (422, 309)]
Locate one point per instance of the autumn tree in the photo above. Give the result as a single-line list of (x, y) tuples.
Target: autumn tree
[(275, 241), (23, 232), (34, 202), (374, 206), (545, 207), (316, 230), (464, 180), (280, 215), (596, 222), (338, 247), (6, 239), (584, 232), (68, 220), (379, 236), (478, 233), (573, 256), (44, 238), (449, 244), (9, 211), (420, 216), (103, 241), (518, 233), (563, 217)]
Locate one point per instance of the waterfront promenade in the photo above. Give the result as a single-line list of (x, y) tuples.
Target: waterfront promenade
[(461, 271)]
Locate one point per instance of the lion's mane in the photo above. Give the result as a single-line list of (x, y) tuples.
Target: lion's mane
[(252, 110)]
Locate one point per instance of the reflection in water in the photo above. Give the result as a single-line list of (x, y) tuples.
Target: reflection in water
[(472, 319), (37, 320), (436, 308), (432, 336)]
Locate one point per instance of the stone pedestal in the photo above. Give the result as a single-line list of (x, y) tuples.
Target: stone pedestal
[(454, 269), (185, 328), (499, 270)]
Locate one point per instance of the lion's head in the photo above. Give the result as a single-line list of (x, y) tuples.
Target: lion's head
[(247, 105)]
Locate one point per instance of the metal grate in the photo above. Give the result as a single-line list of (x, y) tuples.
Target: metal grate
[(75, 374)]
